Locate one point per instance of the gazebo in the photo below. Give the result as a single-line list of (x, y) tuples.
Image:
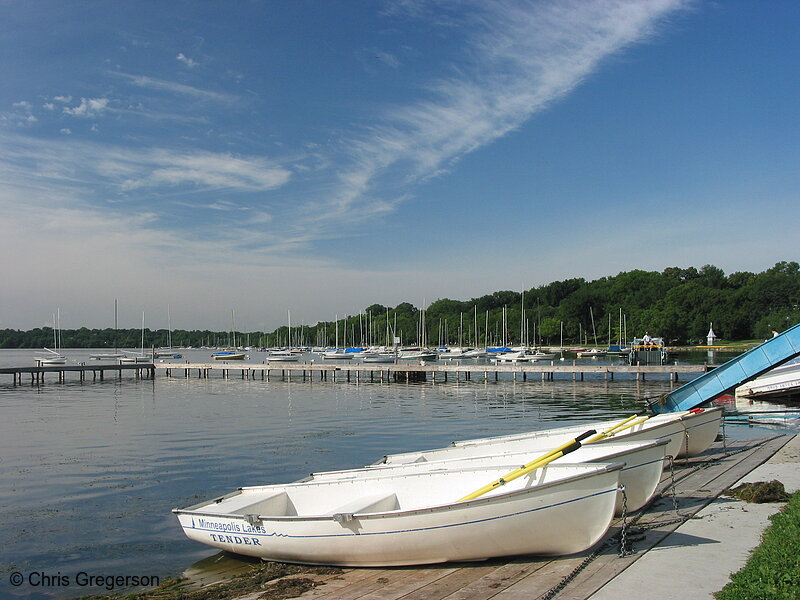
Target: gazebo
[(711, 337)]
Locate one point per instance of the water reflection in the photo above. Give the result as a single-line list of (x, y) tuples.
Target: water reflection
[(90, 471)]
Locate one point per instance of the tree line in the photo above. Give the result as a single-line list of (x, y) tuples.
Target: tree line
[(676, 304)]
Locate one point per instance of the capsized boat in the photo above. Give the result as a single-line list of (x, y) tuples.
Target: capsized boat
[(411, 519), (691, 432), (643, 460)]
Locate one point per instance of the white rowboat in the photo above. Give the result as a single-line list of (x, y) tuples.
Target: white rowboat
[(691, 433), (411, 519), (643, 460)]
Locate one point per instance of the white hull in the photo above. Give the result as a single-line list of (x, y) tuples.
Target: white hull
[(418, 356), (643, 460), (690, 432), (134, 360), (337, 355), (780, 380), (107, 356), (379, 358), (591, 353), (52, 361), (229, 356), (283, 358), (412, 519)]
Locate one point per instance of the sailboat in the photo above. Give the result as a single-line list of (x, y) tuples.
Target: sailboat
[(337, 353), (592, 352), (54, 357), (110, 355), (230, 353), (285, 355), (136, 358), (167, 352)]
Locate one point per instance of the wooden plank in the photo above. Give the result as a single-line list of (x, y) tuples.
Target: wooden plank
[(377, 579), (451, 583), (342, 580), (418, 577), (499, 579), (538, 582)]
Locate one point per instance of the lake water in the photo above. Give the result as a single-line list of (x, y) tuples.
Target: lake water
[(89, 472)]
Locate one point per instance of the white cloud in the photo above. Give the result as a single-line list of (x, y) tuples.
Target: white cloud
[(63, 99), (49, 106), (88, 108), (186, 60), (174, 87), (526, 55), (23, 104), (66, 131), (210, 170)]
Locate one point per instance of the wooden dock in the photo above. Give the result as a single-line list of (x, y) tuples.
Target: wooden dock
[(98, 371), (358, 372), (697, 482), (466, 371)]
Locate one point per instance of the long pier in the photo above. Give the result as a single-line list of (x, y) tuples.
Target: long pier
[(98, 371), (398, 372), (420, 372)]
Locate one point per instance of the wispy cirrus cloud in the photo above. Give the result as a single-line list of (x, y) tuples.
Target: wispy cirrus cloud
[(114, 170), (174, 87), (523, 56), (209, 170)]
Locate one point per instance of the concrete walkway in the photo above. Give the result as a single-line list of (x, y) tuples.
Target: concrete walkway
[(698, 558)]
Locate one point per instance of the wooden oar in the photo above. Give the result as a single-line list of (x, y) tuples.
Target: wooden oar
[(626, 424), (544, 459)]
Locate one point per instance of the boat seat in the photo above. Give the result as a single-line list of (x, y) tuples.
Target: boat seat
[(276, 504), (367, 504)]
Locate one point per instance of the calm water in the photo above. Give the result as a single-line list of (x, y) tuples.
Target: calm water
[(89, 472)]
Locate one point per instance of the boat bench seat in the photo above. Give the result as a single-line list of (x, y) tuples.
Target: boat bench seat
[(277, 504), (368, 504)]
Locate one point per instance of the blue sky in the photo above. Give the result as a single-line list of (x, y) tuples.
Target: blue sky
[(324, 156)]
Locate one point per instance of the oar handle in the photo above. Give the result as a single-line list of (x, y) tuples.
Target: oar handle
[(626, 424), (585, 434)]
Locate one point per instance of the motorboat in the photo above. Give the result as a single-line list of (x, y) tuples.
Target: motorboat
[(412, 519), (780, 380)]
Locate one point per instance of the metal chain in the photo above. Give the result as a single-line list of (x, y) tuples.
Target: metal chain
[(623, 536), (672, 488), (628, 528)]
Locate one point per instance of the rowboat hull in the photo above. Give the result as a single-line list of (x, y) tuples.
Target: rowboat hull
[(644, 461), (412, 519), (690, 433)]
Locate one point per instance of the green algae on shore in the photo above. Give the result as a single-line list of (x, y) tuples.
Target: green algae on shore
[(265, 581)]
